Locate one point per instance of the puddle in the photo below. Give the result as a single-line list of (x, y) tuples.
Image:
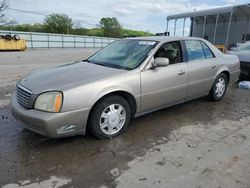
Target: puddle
[(54, 182)]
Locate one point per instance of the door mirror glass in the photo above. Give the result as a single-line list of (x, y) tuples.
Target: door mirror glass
[(161, 62)]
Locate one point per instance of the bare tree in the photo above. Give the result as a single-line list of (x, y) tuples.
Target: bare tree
[(3, 7)]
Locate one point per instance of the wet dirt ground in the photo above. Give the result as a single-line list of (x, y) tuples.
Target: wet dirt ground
[(195, 144)]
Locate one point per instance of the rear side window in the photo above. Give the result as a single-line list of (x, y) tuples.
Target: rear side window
[(207, 51), (195, 50)]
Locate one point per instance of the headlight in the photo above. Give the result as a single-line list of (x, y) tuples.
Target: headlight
[(49, 101)]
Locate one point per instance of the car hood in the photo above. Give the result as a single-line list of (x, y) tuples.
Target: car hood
[(242, 55), (67, 76)]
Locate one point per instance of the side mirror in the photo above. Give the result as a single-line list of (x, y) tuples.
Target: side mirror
[(161, 62)]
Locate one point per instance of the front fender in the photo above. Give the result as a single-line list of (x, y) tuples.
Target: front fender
[(87, 95), (111, 89)]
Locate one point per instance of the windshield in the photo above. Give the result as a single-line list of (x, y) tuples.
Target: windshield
[(245, 46), (123, 54)]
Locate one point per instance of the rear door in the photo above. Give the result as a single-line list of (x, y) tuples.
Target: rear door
[(165, 85), (201, 67)]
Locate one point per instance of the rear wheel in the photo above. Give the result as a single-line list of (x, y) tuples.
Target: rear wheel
[(219, 87), (109, 117)]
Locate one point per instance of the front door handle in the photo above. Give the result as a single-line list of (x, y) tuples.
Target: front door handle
[(213, 66), (181, 72)]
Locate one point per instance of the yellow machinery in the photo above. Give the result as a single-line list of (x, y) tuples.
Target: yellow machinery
[(12, 44), (222, 48)]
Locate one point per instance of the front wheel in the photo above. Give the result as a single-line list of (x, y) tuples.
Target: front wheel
[(219, 87), (110, 117)]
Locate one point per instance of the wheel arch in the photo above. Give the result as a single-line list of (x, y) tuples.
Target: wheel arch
[(124, 94), (227, 74), (224, 70), (128, 97)]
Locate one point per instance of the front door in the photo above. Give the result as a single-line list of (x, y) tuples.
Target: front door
[(164, 86)]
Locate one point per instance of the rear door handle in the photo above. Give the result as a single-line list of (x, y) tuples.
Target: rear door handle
[(213, 66), (181, 72)]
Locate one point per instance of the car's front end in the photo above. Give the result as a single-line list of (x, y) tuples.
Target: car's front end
[(244, 58), (56, 102), (245, 69), (42, 113), (243, 53)]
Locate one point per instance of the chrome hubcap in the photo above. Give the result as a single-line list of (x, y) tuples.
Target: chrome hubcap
[(220, 87), (112, 119)]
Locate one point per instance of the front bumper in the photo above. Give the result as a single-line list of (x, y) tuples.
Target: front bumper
[(53, 125), (245, 69)]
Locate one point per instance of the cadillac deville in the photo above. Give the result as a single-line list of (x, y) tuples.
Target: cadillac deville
[(126, 79)]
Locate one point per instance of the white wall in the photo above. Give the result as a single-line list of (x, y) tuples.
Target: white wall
[(51, 40)]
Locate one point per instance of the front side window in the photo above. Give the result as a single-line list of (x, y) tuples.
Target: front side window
[(123, 54), (195, 50), (170, 50)]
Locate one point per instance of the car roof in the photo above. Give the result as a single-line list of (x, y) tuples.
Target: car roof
[(163, 38)]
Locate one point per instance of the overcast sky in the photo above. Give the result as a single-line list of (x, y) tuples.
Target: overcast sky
[(146, 15)]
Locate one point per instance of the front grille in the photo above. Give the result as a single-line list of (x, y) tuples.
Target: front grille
[(23, 96), (245, 65), (245, 68)]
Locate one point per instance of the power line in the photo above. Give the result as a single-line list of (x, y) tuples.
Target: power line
[(41, 14), (85, 22), (25, 11)]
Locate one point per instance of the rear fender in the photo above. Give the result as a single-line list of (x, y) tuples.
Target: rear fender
[(219, 71)]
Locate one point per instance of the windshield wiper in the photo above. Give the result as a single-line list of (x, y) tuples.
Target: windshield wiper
[(94, 62), (87, 60), (107, 64), (113, 66)]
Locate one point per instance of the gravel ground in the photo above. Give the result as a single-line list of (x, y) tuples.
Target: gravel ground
[(195, 144)]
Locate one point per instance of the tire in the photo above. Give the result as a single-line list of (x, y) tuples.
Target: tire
[(219, 89), (16, 37), (109, 117), (8, 37)]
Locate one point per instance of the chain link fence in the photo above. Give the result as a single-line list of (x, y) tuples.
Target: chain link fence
[(50, 40)]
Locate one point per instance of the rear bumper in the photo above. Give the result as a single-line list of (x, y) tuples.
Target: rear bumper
[(53, 125)]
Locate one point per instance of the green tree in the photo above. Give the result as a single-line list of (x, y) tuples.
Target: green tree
[(111, 27), (133, 33), (58, 23)]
